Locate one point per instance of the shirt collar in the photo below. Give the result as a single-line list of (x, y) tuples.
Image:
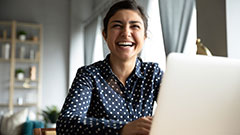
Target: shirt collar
[(138, 67), (107, 68)]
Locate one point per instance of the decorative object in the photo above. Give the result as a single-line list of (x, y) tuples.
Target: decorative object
[(19, 100), (50, 116), (6, 51), (20, 74), (26, 83), (22, 52), (31, 55), (35, 39), (33, 73), (22, 35), (201, 49)]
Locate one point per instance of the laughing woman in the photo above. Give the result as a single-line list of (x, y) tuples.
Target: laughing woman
[(116, 95)]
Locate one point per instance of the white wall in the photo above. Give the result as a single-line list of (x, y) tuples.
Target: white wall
[(54, 15), (233, 28)]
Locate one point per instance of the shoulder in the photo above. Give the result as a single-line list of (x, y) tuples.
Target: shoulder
[(91, 72), (148, 69), (86, 74), (149, 66), (90, 69)]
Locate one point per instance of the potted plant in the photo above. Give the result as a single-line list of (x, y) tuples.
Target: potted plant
[(22, 35), (20, 74), (50, 116)]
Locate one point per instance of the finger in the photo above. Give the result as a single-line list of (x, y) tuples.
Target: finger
[(143, 131), (146, 119), (145, 125), (149, 117)]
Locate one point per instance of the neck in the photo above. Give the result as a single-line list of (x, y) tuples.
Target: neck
[(122, 68)]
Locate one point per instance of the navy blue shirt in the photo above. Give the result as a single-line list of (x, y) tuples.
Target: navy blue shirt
[(98, 103)]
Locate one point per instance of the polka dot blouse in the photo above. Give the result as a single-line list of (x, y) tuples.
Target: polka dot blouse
[(99, 104)]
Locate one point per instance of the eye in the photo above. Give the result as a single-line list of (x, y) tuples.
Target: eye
[(136, 26), (116, 26)]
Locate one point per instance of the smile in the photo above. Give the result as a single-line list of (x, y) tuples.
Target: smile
[(125, 44)]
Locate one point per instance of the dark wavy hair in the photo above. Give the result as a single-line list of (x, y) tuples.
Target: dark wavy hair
[(125, 4)]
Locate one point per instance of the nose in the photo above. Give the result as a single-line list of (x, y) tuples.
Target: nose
[(126, 32)]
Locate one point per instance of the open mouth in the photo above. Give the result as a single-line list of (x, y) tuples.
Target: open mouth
[(126, 44)]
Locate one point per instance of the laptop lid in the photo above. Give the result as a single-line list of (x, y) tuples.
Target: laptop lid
[(199, 95)]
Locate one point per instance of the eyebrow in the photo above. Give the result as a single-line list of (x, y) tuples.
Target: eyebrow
[(131, 22)]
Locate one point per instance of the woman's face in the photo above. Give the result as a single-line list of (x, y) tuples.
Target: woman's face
[(125, 34)]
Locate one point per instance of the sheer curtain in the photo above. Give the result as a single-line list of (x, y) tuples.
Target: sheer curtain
[(153, 49), (93, 41), (98, 45), (175, 18), (190, 47)]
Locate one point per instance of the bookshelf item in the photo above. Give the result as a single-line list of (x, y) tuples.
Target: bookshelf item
[(32, 73), (20, 53), (6, 51)]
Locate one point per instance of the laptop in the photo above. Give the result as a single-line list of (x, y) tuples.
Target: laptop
[(199, 95)]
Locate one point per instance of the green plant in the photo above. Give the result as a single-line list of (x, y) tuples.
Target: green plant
[(19, 71), (51, 114), (21, 32)]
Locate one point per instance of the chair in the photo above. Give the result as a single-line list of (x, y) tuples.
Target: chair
[(45, 131)]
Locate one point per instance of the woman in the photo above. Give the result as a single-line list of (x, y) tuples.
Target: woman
[(116, 95)]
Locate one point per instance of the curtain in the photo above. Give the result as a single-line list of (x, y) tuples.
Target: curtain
[(190, 47), (98, 45), (175, 18), (93, 41), (153, 49)]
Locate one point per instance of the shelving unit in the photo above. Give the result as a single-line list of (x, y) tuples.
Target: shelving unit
[(11, 86)]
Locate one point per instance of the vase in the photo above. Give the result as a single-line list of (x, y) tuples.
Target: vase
[(22, 52), (22, 37), (6, 51), (20, 76)]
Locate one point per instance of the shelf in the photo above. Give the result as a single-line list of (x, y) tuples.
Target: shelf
[(22, 87), (26, 105), (5, 40), (29, 42), (5, 22), (36, 26), (9, 34), (27, 60), (3, 105), (4, 60), (26, 79)]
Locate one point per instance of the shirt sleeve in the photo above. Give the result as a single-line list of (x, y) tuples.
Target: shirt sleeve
[(73, 118), (158, 73)]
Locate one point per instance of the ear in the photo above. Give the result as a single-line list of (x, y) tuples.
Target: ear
[(145, 35), (104, 35)]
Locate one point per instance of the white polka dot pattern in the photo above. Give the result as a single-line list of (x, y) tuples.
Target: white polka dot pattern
[(98, 103)]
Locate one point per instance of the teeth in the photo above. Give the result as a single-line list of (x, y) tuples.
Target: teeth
[(125, 43)]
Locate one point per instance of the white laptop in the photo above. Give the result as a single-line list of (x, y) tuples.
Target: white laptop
[(199, 95)]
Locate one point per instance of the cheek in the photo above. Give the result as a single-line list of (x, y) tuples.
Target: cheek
[(112, 35), (140, 37)]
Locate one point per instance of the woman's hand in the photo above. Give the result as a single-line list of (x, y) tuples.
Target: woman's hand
[(140, 126)]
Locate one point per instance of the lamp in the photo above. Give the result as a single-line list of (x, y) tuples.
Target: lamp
[(201, 49)]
